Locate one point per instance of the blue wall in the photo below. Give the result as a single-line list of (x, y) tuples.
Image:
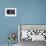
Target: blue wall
[(28, 12)]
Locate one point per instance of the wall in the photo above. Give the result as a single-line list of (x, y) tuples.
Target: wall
[(28, 12)]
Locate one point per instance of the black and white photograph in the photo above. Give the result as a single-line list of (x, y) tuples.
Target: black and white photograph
[(10, 11)]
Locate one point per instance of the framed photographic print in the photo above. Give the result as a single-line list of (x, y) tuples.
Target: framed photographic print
[(10, 11), (32, 32)]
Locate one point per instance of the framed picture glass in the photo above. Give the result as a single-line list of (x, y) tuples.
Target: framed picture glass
[(10, 11)]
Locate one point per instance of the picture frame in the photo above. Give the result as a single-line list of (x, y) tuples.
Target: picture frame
[(10, 12)]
